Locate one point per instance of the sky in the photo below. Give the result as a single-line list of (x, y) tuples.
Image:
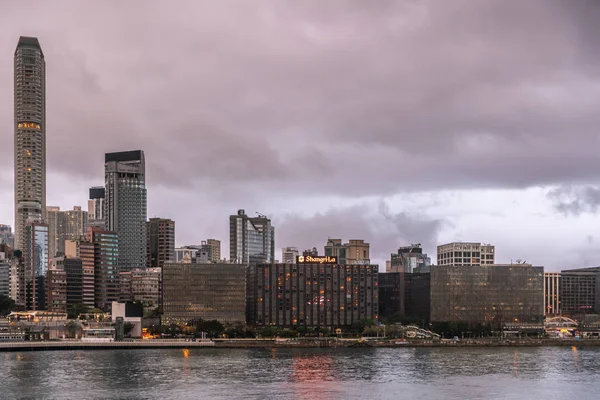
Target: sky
[(392, 121)]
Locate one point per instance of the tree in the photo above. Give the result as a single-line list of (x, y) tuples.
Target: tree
[(213, 328), (72, 328), (127, 328), (76, 309), (6, 304)]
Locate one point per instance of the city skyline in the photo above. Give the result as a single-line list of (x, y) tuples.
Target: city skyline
[(514, 170)]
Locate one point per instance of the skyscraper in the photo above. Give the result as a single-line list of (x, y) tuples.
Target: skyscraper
[(161, 241), (30, 135), (63, 226), (125, 205), (251, 239), (36, 261), (96, 207)]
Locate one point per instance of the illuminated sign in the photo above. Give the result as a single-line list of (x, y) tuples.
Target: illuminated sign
[(316, 260)]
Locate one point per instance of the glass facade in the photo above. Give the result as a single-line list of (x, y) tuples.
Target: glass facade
[(312, 295), (404, 295), (578, 291), (487, 294), (251, 240), (207, 291)]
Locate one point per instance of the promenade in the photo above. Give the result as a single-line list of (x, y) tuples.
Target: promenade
[(285, 343)]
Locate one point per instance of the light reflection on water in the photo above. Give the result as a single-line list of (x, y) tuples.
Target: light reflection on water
[(435, 373)]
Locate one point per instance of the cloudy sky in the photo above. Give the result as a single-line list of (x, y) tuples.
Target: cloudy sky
[(393, 121)]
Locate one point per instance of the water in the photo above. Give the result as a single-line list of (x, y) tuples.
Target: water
[(427, 373)]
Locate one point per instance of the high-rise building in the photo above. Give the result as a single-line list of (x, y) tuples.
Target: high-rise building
[(289, 254), (403, 294), (212, 248), (466, 254), (311, 295), (577, 291), (106, 269), (409, 259), (207, 291), (63, 226), (311, 252), (30, 135), (56, 286), (55, 221), (187, 254), (355, 252), (552, 293), (4, 275), (142, 285), (251, 239), (161, 242), (86, 253), (125, 205), (96, 207), (6, 236), (36, 262)]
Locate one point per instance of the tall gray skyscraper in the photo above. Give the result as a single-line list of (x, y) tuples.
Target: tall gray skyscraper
[(251, 239), (30, 135), (125, 206)]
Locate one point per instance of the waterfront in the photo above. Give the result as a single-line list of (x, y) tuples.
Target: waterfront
[(434, 373)]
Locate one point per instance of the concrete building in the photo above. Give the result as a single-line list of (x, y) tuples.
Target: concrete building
[(107, 287), (208, 291), (409, 259), (499, 295), (186, 254), (96, 207), (56, 286), (552, 293), (311, 252), (466, 254), (6, 236), (142, 285), (88, 266), (131, 313), (251, 239), (311, 295), (125, 205), (30, 136), (405, 295), (36, 262), (289, 254), (355, 252), (4, 275), (160, 242), (72, 248), (64, 225), (212, 248), (578, 291)]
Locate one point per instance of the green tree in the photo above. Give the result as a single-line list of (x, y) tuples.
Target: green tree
[(6, 305), (213, 328), (127, 328), (76, 309)]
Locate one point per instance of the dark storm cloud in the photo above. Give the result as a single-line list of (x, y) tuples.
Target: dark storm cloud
[(575, 201), (351, 97), (380, 227)]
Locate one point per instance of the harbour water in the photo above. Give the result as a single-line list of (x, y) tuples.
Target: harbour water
[(370, 373)]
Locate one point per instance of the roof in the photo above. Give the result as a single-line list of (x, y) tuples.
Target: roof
[(29, 42), (132, 155), (588, 270)]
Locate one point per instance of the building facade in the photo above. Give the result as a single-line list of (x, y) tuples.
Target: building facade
[(160, 242), (125, 205), (355, 252), (56, 286), (466, 254), (487, 294), (6, 236), (63, 226), (405, 295), (107, 287), (4, 275), (251, 239), (36, 262), (187, 254), (142, 285), (96, 207), (552, 293), (289, 255), (212, 248), (409, 259), (30, 136), (88, 267), (311, 295), (578, 291), (207, 291)]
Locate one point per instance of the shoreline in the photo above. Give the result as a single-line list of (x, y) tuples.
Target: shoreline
[(277, 344)]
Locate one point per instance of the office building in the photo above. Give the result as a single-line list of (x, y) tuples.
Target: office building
[(160, 242), (311, 252), (72, 248), (88, 283), (251, 239), (552, 293), (488, 294), (6, 236), (36, 262), (355, 252), (73, 267), (578, 291), (142, 285), (187, 254), (96, 207), (4, 275), (311, 295), (409, 259), (404, 295), (289, 255), (30, 136), (208, 291), (125, 205), (17, 278), (107, 287), (466, 254)]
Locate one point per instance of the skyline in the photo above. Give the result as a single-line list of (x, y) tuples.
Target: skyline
[(273, 113)]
